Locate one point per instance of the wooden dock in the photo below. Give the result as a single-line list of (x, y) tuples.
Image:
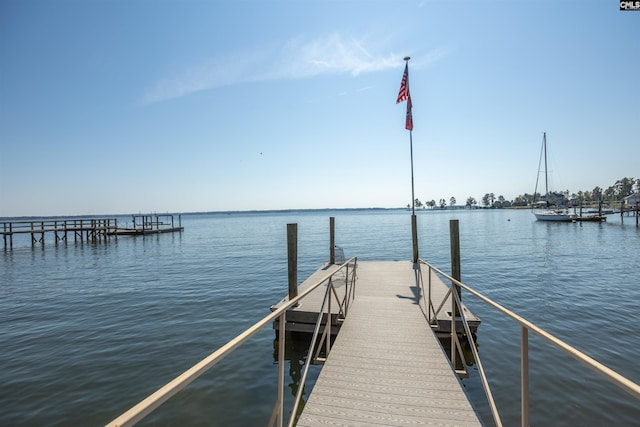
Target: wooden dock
[(387, 366), (303, 317), (150, 224), (82, 229), (86, 229), (591, 218)]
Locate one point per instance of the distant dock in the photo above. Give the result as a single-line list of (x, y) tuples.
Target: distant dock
[(86, 229), (599, 214), (151, 224), (591, 218)]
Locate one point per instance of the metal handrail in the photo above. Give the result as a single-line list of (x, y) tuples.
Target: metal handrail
[(455, 342), (526, 326), (312, 353), (153, 401)]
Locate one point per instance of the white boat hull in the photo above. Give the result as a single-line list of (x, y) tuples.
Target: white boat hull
[(555, 215)]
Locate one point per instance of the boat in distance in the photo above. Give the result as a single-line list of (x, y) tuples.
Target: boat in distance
[(555, 215), (548, 212)]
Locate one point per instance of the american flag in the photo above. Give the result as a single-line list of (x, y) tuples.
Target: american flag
[(404, 95), (409, 123)]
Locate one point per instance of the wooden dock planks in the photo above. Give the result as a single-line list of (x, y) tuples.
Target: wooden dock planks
[(303, 317), (386, 366)]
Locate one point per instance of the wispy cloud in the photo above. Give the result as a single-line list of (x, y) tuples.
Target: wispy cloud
[(297, 58)]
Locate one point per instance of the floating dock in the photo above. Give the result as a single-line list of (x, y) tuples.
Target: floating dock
[(302, 318), (150, 224), (591, 218), (386, 366)]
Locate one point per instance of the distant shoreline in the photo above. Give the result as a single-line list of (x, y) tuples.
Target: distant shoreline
[(252, 211)]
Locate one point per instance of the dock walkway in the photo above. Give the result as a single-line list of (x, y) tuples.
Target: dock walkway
[(386, 366)]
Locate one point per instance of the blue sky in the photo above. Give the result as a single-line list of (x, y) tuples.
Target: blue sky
[(111, 107)]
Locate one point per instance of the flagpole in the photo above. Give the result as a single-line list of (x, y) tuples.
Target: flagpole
[(414, 222), (413, 196)]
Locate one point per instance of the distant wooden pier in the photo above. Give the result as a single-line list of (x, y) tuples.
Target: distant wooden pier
[(86, 229), (598, 214), (60, 230)]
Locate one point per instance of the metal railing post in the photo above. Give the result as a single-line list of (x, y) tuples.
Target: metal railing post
[(281, 351), (524, 374), (430, 304), (453, 330), (346, 294), (328, 325)]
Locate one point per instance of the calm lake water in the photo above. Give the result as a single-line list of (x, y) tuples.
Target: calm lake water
[(89, 329)]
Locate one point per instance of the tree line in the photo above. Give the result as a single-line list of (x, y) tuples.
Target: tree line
[(622, 188)]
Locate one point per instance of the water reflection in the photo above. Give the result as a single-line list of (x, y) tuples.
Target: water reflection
[(296, 349), (467, 352)]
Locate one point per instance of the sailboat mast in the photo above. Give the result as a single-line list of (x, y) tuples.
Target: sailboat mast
[(546, 177)]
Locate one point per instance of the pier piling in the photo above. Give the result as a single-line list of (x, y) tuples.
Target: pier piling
[(454, 235), (332, 240), (414, 237), (292, 253)]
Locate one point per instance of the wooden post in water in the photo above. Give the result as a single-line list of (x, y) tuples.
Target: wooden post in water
[(414, 237), (4, 235), (454, 235), (580, 208), (332, 240), (292, 252), (600, 208)]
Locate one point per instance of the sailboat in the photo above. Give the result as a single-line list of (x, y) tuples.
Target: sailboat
[(548, 213)]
